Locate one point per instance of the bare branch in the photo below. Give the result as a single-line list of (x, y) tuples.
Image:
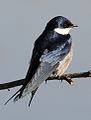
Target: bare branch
[(11, 84), (67, 77)]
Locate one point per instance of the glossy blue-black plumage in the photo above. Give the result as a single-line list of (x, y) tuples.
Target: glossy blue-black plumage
[(50, 41)]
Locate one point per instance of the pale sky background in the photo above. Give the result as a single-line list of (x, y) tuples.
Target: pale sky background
[(21, 22)]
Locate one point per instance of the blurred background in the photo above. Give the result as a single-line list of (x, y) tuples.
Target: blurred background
[(21, 22)]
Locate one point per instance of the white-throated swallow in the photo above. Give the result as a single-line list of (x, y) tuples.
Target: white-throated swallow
[(52, 53)]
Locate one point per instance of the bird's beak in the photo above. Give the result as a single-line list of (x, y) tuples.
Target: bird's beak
[(75, 25)]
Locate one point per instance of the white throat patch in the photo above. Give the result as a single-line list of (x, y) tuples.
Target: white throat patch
[(62, 31)]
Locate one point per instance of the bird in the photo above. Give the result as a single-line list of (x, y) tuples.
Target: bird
[(51, 56)]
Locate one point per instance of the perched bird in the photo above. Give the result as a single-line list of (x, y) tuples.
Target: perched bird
[(52, 53)]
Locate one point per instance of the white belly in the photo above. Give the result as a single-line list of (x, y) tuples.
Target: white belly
[(63, 65)]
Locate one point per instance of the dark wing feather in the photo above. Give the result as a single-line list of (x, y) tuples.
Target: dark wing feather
[(41, 44), (34, 63), (39, 47), (46, 41)]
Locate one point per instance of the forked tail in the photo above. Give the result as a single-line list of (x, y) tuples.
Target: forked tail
[(13, 96), (18, 94)]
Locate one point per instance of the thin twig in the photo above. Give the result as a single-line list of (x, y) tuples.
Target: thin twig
[(11, 84), (67, 77)]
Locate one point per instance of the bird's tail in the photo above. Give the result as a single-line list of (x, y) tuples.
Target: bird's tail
[(32, 95), (23, 92), (13, 96), (20, 94)]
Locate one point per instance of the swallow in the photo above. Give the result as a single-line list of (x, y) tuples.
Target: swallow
[(51, 56)]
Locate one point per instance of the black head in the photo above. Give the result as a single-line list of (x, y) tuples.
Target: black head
[(59, 22)]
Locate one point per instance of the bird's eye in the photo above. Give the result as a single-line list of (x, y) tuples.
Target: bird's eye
[(65, 25)]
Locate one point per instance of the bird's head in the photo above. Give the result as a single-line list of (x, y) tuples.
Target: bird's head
[(60, 25)]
